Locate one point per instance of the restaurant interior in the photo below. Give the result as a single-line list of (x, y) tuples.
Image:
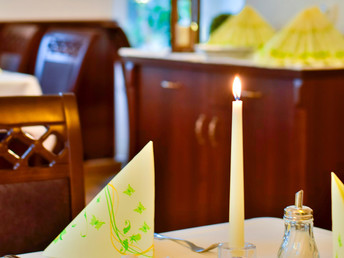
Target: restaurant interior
[(220, 121)]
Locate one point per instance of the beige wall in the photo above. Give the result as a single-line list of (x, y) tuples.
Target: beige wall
[(56, 9)]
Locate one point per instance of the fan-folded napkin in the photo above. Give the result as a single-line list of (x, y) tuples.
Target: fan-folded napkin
[(119, 221)]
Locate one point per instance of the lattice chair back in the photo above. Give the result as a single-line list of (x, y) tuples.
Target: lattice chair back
[(41, 170)]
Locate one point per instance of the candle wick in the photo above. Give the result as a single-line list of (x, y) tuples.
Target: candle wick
[(236, 98)]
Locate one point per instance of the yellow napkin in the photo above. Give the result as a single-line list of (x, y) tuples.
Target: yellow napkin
[(337, 189), (119, 221), (246, 29), (308, 40)]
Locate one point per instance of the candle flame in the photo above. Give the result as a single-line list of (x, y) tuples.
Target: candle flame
[(237, 87)]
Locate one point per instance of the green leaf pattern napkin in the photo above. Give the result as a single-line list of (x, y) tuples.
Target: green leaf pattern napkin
[(119, 221)]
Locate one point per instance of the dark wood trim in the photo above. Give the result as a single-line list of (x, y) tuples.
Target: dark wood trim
[(76, 151), (131, 80), (252, 70), (196, 17), (174, 19)]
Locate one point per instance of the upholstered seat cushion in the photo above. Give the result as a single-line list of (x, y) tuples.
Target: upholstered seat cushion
[(23, 203)]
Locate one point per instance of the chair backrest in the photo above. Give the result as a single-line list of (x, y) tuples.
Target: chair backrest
[(60, 58), (18, 46), (41, 181)]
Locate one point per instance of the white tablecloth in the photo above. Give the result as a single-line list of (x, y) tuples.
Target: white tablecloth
[(265, 233), (20, 84), (13, 84)]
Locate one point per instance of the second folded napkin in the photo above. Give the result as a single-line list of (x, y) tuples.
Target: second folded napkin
[(337, 216), (119, 221)]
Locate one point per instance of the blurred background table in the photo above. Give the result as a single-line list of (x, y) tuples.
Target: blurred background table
[(14, 84)]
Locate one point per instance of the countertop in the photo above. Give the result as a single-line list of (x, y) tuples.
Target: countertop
[(205, 58)]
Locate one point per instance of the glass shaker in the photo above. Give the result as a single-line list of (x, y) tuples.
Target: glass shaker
[(298, 239)]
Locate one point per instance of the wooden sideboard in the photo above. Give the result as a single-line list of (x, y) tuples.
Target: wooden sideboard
[(293, 136)]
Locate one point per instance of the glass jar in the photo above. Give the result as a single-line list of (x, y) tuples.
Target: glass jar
[(298, 239)]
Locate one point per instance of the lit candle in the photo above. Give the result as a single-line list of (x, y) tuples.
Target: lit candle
[(236, 196)]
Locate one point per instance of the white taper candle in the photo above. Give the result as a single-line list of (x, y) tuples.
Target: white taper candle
[(236, 197)]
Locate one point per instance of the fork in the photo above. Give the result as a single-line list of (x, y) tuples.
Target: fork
[(192, 246)]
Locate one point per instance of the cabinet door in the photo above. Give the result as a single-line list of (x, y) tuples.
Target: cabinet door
[(187, 115), (269, 115), (218, 168), (169, 110), (322, 98), (219, 99)]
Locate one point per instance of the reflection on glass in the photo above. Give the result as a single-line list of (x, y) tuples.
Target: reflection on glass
[(148, 23), (184, 12)]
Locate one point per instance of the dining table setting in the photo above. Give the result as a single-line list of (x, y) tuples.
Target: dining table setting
[(100, 235), (119, 221)]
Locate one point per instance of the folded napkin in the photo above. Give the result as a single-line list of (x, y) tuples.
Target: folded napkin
[(308, 40), (337, 189), (119, 221), (246, 29)]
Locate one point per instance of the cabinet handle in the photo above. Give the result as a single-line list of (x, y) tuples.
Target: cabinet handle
[(170, 85), (251, 94), (198, 129), (212, 130)]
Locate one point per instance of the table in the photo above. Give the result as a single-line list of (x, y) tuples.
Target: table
[(14, 84), (265, 233), (20, 84)]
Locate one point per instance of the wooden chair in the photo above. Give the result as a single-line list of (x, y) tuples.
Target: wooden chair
[(72, 60), (40, 190), (61, 55), (80, 60), (18, 46)]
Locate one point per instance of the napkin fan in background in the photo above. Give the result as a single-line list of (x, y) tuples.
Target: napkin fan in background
[(119, 221), (239, 35), (308, 40), (246, 29)]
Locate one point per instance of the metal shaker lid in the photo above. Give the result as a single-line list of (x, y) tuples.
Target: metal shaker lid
[(298, 211)]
